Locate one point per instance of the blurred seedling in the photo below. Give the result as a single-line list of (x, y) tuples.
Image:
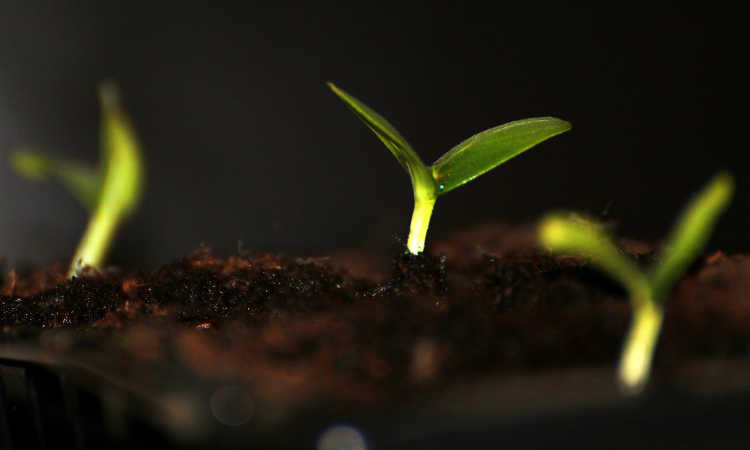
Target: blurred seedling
[(469, 159), (110, 192), (648, 290)]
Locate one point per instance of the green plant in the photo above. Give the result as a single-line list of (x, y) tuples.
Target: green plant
[(464, 162), (566, 233), (110, 193)]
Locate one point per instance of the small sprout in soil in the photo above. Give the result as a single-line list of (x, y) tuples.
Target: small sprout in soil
[(469, 159), (110, 193), (648, 290)]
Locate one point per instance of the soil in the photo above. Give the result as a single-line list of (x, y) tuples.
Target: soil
[(353, 330)]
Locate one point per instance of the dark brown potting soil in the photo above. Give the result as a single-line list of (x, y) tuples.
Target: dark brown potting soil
[(352, 330)]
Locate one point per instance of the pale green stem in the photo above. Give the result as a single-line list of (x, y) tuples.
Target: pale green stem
[(96, 240), (420, 221), (637, 354)]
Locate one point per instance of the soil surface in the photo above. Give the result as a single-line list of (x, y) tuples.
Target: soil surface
[(354, 330)]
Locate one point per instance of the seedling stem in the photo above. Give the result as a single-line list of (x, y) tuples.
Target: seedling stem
[(420, 221), (638, 350)]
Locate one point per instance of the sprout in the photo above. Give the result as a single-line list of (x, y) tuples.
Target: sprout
[(111, 193), (464, 162), (561, 233)]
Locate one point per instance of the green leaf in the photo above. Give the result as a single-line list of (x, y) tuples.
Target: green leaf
[(385, 131), (490, 148), (691, 233), (123, 168), (580, 236), (83, 181)]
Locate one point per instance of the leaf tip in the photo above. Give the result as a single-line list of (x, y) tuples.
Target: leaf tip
[(552, 230), (725, 181), (718, 192), (722, 187), (561, 125), (334, 88), (109, 94), (28, 164)]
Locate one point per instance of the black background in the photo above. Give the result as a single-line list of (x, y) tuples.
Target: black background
[(245, 142)]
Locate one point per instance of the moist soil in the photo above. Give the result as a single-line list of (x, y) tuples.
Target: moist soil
[(357, 330)]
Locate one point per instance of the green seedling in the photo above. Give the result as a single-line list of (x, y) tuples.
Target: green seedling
[(469, 159), (648, 290), (110, 192)]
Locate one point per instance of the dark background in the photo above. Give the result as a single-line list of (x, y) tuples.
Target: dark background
[(245, 142)]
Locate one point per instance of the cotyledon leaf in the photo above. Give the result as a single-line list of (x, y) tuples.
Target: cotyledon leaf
[(384, 130), (121, 151), (486, 150), (691, 232), (83, 181), (574, 234)]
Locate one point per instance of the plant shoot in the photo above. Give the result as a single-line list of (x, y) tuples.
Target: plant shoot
[(469, 159), (648, 290), (110, 193)]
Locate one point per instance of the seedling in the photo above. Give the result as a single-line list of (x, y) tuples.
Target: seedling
[(110, 193), (469, 159), (565, 233)]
